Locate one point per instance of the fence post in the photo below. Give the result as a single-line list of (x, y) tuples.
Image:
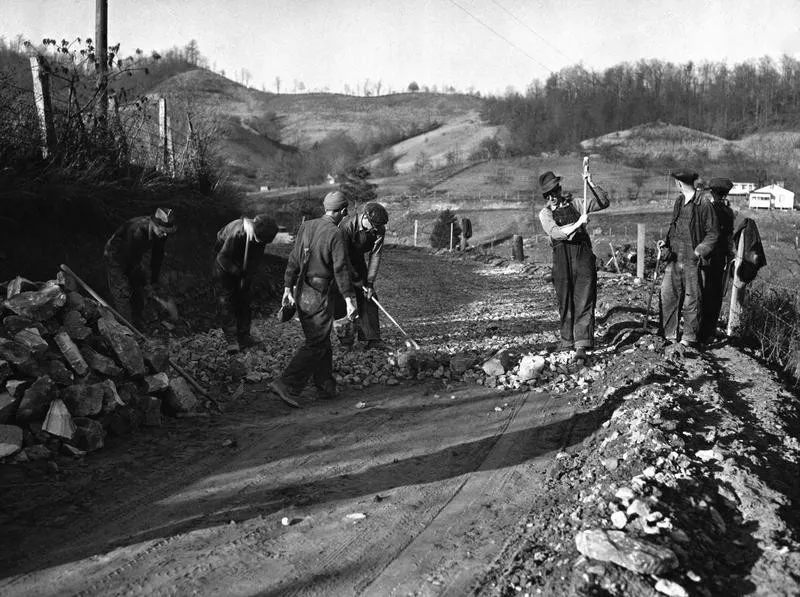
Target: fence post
[(41, 95), (517, 253), (164, 146), (640, 240), (170, 154), (737, 292), (416, 228), (452, 230)]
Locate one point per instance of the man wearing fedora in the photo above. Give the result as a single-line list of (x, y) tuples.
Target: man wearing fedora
[(691, 239), (713, 275), (318, 261), (574, 264), (124, 254), (238, 252)]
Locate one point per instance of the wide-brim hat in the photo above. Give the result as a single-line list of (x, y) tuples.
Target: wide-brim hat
[(685, 176), (548, 181), (720, 185), (164, 218)]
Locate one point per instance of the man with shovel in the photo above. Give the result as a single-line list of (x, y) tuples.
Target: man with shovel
[(239, 249), (317, 261), (126, 268), (364, 233)]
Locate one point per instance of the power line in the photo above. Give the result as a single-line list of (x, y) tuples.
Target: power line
[(532, 30), (501, 36)]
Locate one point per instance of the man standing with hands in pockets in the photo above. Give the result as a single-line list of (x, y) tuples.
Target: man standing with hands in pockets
[(574, 267), (317, 261)]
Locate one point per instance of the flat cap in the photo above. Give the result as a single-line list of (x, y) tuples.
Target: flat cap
[(334, 201), (720, 185), (376, 213), (685, 176)]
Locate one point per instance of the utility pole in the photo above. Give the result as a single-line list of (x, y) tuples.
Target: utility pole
[(101, 61)]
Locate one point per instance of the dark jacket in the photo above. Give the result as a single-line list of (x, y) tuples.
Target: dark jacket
[(129, 245), (327, 256), (725, 218), (364, 248), (568, 213), (703, 225), (230, 250), (753, 257)]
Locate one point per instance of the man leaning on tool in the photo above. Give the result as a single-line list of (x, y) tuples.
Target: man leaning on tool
[(365, 233), (239, 249), (126, 269), (691, 239), (317, 261), (714, 274)]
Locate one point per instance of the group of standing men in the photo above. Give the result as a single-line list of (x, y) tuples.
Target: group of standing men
[(697, 252), (331, 273)]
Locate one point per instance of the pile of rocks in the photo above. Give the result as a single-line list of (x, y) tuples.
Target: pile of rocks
[(70, 373)]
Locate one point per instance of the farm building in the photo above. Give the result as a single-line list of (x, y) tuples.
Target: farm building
[(771, 197), (741, 189)]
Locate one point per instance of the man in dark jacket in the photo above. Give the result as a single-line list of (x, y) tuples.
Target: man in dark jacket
[(239, 249), (713, 275), (365, 234), (318, 261), (690, 241), (574, 267), (126, 268)]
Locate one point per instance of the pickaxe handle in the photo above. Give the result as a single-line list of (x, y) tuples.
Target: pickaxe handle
[(394, 321), (585, 183)]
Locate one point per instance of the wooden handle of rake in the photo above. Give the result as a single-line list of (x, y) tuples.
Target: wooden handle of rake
[(182, 372)]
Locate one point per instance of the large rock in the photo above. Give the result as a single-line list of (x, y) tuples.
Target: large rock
[(59, 372), (38, 305), (19, 284), (151, 408), (111, 398), (89, 434), (180, 397), (531, 366), (153, 384), (36, 400), (59, 421), (156, 358), (84, 400), (10, 440), (31, 339), (634, 554), (71, 353), (8, 406), (15, 353), (100, 363), (123, 344), (17, 387), (461, 363), (14, 324), (75, 325)]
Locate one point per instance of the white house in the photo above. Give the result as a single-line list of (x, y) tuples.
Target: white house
[(771, 197), (742, 188)]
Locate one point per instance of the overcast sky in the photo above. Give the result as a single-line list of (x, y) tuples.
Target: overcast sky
[(484, 44)]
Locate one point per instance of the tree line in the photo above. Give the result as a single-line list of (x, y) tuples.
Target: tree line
[(576, 103)]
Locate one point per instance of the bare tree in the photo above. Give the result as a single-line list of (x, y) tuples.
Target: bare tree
[(278, 85)]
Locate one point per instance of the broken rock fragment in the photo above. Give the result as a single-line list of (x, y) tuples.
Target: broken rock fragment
[(36, 400), (100, 363), (153, 384), (71, 353), (31, 339), (10, 440), (180, 397), (634, 554), (58, 421), (123, 344), (531, 366), (84, 400), (89, 434), (38, 305)]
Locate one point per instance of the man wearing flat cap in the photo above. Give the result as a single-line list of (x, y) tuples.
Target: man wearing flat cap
[(691, 239), (574, 266), (237, 254), (318, 261), (125, 253), (713, 275), (365, 233)]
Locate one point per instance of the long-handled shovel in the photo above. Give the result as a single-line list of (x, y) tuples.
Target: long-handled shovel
[(652, 287), (585, 183), (410, 342), (125, 322)]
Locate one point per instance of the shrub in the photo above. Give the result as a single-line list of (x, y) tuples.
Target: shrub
[(440, 236)]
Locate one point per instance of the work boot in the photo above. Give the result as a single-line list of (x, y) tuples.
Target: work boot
[(283, 392), (327, 391), (580, 354)]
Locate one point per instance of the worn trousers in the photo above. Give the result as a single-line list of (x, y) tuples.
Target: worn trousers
[(314, 359), (233, 298), (127, 292), (681, 294), (575, 281), (713, 291)]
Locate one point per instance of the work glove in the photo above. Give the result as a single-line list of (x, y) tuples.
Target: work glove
[(369, 292), (288, 297), (352, 308)]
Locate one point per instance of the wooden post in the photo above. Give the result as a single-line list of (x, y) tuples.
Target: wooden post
[(164, 158), (41, 95), (640, 239), (517, 253), (737, 292), (452, 230), (416, 229), (101, 61), (170, 154)]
